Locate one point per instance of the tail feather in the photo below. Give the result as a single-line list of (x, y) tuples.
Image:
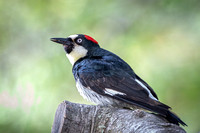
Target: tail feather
[(157, 107)]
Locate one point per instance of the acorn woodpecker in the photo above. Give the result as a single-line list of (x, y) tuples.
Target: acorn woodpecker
[(104, 78)]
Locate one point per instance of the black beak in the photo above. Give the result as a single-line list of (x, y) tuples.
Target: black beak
[(64, 41)]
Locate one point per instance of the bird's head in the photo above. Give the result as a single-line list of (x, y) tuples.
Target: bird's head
[(77, 46)]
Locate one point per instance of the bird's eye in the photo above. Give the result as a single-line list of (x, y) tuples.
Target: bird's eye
[(79, 40)]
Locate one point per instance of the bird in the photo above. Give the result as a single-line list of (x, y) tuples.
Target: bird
[(104, 78)]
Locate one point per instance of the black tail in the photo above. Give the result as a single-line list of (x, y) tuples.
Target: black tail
[(171, 117), (158, 107)]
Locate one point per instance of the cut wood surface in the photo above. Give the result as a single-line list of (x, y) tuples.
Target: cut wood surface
[(81, 118)]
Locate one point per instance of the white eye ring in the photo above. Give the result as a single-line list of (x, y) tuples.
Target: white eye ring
[(79, 40)]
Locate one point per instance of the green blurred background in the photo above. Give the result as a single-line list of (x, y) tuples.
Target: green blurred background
[(159, 39)]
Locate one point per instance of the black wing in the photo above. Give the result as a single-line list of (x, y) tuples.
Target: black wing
[(104, 76), (114, 78), (150, 89)]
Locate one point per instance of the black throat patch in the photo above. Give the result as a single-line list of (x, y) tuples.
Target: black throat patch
[(68, 48)]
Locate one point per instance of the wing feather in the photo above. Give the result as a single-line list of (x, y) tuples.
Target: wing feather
[(101, 75)]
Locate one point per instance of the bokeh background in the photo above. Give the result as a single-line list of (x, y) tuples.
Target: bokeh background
[(159, 39)]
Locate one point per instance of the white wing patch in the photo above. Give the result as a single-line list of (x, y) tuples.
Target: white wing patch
[(113, 92), (150, 95)]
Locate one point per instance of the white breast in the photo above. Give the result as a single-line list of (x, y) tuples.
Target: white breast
[(92, 96)]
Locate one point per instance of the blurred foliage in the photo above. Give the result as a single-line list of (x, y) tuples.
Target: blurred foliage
[(159, 39)]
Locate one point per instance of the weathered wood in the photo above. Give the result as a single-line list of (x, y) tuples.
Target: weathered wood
[(80, 118)]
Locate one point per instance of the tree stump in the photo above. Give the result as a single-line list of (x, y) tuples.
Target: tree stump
[(80, 118)]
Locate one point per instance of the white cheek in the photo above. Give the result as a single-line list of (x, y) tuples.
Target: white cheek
[(77, 53)]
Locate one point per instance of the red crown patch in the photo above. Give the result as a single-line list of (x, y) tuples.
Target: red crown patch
[(91, 39)]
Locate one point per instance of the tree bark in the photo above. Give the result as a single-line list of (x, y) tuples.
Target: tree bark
[(80, 118)]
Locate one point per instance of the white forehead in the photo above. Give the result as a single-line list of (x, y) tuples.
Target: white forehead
[(73, 36)]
